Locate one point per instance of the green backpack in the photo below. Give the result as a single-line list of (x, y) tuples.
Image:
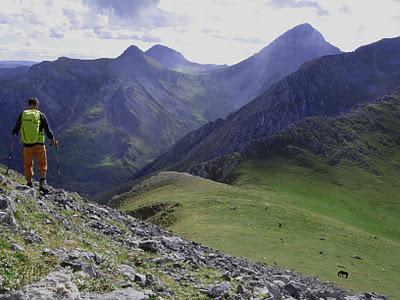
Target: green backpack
[(30, 127)]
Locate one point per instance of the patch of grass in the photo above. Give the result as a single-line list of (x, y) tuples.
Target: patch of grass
[(94, 113)]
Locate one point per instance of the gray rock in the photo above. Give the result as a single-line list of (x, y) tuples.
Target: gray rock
[(219, 290), (171, 242), (149, 245), (26, 190), (122, 294), (4, 180), (153, 281), (226, 276), (3, 216), (31, 237), (242, 290), (274, 288), (78, 266), (262, 293), (141, 279), (281, 277), (127, 271), (7, 204), (57, 285), (16, 247), (293, 289), (7, 217)]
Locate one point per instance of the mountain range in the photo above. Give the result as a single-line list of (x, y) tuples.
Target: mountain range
[(113, 116), (327, 86), (9, 64)]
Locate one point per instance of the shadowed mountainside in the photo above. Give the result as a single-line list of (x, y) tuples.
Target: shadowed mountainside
[(328, 86)]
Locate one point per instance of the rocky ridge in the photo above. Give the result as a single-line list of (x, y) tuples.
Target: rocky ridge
[(61, 246), (368, 130)]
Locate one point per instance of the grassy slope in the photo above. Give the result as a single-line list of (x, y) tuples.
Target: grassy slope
[(355, 211)]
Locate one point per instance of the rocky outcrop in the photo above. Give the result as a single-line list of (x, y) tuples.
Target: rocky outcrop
[(157, 254)]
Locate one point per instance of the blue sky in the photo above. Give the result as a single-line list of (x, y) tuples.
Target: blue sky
[(206, 31)]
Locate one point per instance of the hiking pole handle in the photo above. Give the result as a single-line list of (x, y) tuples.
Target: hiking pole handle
[(54, 143)]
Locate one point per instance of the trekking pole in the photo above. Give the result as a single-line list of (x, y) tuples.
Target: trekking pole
[(11, 153), (58, 162)]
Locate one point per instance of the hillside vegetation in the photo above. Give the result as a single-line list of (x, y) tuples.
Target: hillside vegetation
[(61, 246), (320, 197)]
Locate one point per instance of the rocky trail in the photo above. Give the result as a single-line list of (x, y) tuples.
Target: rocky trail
[(61, 246)]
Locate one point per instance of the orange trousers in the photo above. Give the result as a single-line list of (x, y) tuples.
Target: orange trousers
[(40, 152)]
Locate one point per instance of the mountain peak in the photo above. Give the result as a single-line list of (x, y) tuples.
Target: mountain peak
[(132, 51), (303, 36), (166, 56), (302, 32), (161, 49), (305, 27)]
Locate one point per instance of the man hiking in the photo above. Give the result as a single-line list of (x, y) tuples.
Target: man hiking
[(31, 123)]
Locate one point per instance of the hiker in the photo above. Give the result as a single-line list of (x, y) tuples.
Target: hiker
[(31, 123)]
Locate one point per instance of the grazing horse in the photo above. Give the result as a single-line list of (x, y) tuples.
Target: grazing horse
[(342, 274)]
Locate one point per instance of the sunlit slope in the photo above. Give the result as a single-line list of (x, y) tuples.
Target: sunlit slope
[(327, 215)]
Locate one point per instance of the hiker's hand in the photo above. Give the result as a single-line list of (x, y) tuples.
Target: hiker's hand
[(54, 143)]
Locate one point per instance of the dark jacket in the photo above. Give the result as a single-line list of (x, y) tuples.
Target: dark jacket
[(43, 125)]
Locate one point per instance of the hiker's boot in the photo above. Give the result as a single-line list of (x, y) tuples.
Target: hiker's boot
[(43, 186), (30, 184)]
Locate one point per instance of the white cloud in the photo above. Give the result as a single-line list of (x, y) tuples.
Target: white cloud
[(207, 31), (300, 4), (57, 33)]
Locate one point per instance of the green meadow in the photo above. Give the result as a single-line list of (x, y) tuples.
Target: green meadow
[(315, 218)]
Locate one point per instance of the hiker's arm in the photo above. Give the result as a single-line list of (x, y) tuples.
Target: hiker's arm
[(46, 127), (17, 126)]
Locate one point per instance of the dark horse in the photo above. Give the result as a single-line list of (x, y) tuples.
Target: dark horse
[(342, 274)]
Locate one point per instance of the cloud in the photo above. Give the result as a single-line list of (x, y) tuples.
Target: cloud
[(140, 13), (249, 40), (344, 9), (122, 35), (300, 4), (56, 33), (30, 17)]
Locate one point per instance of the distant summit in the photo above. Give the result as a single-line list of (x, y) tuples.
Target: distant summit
[(166, 56), (301, 37), (248, 79), (175, 60)]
